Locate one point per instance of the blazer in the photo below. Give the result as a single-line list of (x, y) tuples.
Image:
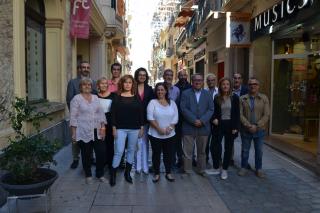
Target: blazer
[(244, 90), (235, 114), (191, 111), (148, 96)]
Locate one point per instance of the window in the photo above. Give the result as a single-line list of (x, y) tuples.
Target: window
[(35, 51)]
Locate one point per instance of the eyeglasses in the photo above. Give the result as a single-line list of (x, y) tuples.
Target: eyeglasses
[(236, 78), (253, 84), (85, 67)]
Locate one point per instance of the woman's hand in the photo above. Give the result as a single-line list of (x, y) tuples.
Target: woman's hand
[(140, 132), (215, 122), (114, 132), (102, 133), (162, 131), (234, 131), (168, 130)]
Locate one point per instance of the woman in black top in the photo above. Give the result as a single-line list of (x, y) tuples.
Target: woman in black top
[(226, 123), (127, 122), (106, 98), (145, 94)]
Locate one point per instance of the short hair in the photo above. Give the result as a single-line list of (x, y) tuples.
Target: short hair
[(237, 73), (84, 62), (100, 80), (211, 75), (136, 74), (253, 78), (194, 75), (165, 87), (121, 82), (167, 70), (84, 81), (116, 64), (184, 69)]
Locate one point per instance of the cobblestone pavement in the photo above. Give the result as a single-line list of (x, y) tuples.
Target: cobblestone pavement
[(287, 188)]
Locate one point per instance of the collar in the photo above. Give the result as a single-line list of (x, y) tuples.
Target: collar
[(247, 96)]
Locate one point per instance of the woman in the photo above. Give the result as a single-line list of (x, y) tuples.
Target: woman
[(163, 116), (106, 98), (226, 123), (87, 122), (127, 122), (145, 94)]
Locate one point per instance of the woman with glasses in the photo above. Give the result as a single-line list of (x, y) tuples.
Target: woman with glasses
[(145, 94)]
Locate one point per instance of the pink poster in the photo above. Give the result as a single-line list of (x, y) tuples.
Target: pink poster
[(80, 16)]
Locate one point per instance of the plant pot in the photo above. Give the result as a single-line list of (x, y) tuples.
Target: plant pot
[(29, 189)]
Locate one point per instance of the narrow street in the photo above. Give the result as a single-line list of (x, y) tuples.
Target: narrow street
[(288, 187)]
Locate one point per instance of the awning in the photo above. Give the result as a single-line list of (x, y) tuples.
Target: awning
[(186, 12), (181, 21)]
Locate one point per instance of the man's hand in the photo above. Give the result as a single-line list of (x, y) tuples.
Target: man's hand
[(253, 128), (215, 122), (198, 123)]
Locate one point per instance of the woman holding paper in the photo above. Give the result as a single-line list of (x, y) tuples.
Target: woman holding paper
[(106, 99), (87, 123)]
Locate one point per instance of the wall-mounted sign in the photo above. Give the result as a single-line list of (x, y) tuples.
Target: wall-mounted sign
[(80, 15), (282, 11), (238, 29)]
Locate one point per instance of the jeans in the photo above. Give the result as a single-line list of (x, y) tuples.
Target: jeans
[(166, 146), (246, 139), (120, 142)]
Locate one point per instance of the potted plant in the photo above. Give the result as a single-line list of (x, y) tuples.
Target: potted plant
[(26, 156)]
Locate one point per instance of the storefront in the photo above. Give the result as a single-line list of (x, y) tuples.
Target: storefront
[(294, 29)]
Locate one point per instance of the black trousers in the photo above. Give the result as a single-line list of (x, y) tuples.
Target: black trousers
[(165, 146), (177, 155), (224, 130), (109, 141), (86, 150)]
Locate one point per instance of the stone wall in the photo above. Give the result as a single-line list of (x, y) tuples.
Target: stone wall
[(6, 61)]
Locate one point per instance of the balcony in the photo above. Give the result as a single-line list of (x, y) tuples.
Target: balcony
[(116, 26), (233, 5)]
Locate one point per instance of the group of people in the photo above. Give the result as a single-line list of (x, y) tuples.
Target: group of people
[(115, 119)]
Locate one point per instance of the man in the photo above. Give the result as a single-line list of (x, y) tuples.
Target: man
[(182, 84), (254, 116), (213, 91), (238, 87), (72, 90), (174, 91), (116, 69), (197, 108)]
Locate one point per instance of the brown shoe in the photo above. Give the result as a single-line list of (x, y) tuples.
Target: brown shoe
[(260, 174)]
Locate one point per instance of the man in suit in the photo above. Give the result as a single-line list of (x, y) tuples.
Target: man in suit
[(238, 88), (197, 108), (72, 90)]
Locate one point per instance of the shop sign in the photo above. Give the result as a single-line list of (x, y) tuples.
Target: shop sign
[(80, 16), (238, 29), (282, 11)]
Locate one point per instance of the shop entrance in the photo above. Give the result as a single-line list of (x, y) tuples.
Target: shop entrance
[(296, 90)]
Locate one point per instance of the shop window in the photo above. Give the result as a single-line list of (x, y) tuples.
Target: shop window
[(296, 87), (35, 50)]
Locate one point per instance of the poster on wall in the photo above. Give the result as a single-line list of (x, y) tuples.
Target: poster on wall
[(80, 16), (238, 30)]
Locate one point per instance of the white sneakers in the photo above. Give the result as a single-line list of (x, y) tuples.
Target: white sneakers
[(89, 180), (224, 174)]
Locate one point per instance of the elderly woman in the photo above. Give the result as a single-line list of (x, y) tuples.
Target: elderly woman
[(127, 123), (87, 121), (162, 113), (145, 94)]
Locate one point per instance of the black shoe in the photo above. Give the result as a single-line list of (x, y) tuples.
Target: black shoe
[(113, 176), (231, 162), (74, 164), (93, 161), (127, 175)]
